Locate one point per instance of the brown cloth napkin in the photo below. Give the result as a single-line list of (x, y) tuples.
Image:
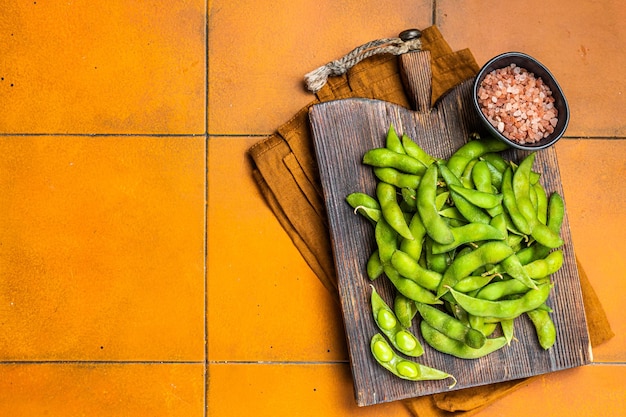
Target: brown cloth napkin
[(286, 172)]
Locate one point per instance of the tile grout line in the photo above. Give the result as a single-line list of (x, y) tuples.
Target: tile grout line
[(97, 135), (346, 362), (205, 408), (99, 362), (264, 135)]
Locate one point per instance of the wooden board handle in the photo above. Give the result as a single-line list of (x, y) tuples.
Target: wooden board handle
[(417, 77)]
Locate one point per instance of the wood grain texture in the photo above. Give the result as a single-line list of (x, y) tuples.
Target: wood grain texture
[(343, 131)]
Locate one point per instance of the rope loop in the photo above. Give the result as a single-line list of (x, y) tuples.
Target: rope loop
[(317, 78)]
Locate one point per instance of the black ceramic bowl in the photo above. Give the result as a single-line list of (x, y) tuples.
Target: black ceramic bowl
[(532, 65)]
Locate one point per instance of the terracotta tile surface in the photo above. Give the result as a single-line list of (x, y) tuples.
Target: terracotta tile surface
[(141, 270), (156, 390), (288, 390), (259, 52), (272, 288), (576, 42), (257, 277), (308, 390), (103, 67), (593, 172), (102, 248)]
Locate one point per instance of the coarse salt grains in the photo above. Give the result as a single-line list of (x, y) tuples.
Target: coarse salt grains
[(518, 104)]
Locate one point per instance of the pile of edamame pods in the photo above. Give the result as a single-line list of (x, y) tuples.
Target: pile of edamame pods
[(469, 244)]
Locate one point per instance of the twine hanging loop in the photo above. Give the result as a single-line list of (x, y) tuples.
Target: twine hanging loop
[(408, 40)]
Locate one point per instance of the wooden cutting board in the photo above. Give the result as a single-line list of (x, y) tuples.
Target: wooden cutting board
[(343, 131)]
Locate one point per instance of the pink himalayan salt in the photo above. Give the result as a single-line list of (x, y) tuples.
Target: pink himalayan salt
[(517, 104)]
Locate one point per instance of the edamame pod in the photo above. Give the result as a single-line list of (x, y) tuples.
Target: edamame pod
[(462, 266), (472, 150), (403, 368), (393, 142), (397, 178), (521, 190), (471, 212), (503, 309), (404, 309), (410, 289), (547, 266), (392, 212), (450, 326), (413, 247), (365, 205), (386, 240), (413, 149), (445, 344), (514, 268), (510, 203), (409, 268), (544, 326), (471, 232), (383, 157), (399, 336), (374, 266), (508, 329), (435, 226), (478, 198)]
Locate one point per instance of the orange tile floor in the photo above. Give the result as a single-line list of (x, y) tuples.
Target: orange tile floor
[(142, 272)]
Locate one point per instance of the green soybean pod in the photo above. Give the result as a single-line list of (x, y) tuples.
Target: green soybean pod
[(478, 198), (437, 262), (386, 240), (471, 150), (450, 326), (510, 203), (413, 247), (409, 196), (500, 289), (392, 141), (409, 267), (471, 232), (508, 329), (481, 176), (383, 157), (399, 336), (481, 325), (466, 176), (409, 288), (392, 212), (497, 162), (544, 326), (514, 268), (542, 203), (435, 225), (499, 222), (374, 267), (365, 205), (521, 190), (556, 213), (545, 236), (468, 210), (462, 266), (413, 149), (452, 213), (404, 309), (544, 267), (473, 283), (397, 178), (441, 200), (444, 344), (403, 368), (503, 309)]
